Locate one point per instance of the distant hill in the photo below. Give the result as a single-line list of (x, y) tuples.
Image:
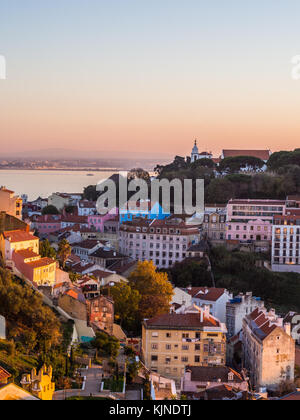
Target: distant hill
[(57, 153)]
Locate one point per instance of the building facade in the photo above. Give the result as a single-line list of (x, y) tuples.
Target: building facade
[(173, 341), (100, 311), (214, 298), (39, 384), (269, 349), (237, 309), (9, 203), (165, 242), (286, 244), (214, 226)]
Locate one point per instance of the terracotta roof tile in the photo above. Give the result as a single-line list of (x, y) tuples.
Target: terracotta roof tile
[(205, 293), (260, 154), (18, 236), (181, 321)]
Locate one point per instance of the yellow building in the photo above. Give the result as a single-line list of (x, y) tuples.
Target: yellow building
[(173, 341), (21, 249), (39, 385), (11, 204), (17, 240)]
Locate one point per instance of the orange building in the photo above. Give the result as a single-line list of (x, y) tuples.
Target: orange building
[(10, 203)]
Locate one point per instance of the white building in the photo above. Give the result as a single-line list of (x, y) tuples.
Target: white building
[(86, 208), (181, 297), (236, 310), (196, 155), (269, 349), (2, 328), (214, 298), (164, 242), (86, 248), (286, 244)]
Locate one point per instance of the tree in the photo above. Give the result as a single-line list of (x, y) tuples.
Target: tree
[(126, 301), (50, 210), (29, 321), (138, 173), (133, 369), (46, 250), (106, 345), (235, 164), (64, 251), (220, 190), (154, 288), (90, 193)]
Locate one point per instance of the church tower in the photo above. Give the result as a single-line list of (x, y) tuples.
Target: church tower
[(195, 153)]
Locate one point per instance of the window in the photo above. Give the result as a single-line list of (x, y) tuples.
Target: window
[(154, 358)]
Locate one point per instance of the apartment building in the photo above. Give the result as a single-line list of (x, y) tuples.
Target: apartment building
[(165, 242), (286, 244), (214, 225), (250, 221), (215, 298), (171, 342), (10, 203), (21, 249), (239, 307), (247, 210), (269, 349)]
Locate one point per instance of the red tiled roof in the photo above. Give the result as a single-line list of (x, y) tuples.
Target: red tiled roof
[(4, 375), (205, 293), (100, 274), (213, 374), (260, 154), (27, 253), (78, 268), (181, 321), (88, 244), (43, 262), (18, 236), (260, 324)]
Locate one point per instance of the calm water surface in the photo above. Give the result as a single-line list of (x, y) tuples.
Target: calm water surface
[(44, 183)]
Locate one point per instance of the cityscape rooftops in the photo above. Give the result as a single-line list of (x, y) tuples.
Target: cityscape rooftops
[(206, 293), (42, 262), (18, 236), (214, 374)]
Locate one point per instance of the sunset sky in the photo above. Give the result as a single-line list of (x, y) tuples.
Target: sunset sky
[(149, 76)]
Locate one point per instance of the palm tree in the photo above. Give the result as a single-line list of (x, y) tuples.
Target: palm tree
[(64, 251)]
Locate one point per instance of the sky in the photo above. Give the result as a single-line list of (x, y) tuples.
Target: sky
[(149, 76)]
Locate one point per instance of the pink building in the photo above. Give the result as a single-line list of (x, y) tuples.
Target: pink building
[(97, 221), (253, 230), (251, 220), (245, 210), (46, 224)]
